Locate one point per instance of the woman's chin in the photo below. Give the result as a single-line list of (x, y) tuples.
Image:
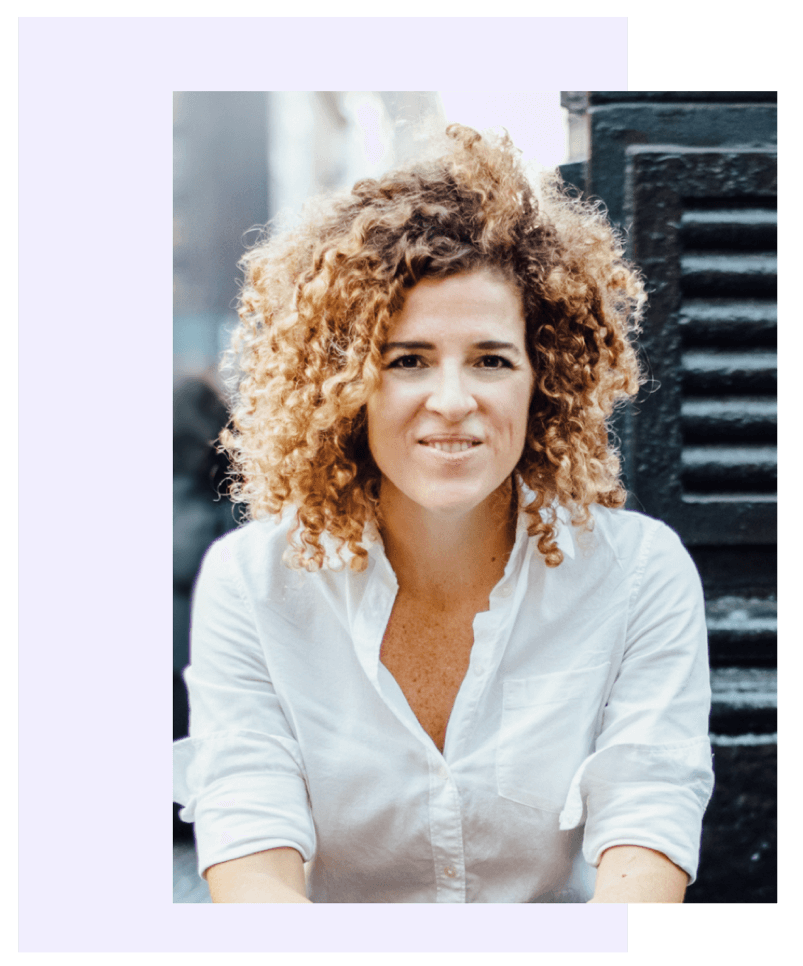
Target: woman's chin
[(452, 506), (446, 501)]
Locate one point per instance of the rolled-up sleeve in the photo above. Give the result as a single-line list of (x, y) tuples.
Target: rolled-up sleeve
[(239, 774), (650, 777)]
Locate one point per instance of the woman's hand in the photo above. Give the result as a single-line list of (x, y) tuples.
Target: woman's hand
[(276, 875)]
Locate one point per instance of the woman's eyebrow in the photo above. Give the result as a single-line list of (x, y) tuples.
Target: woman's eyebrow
[(486, 346)]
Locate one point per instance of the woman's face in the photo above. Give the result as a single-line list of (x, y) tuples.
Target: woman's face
[(448, 423)]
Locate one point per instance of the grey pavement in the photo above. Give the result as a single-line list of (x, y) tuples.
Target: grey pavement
[(188, 886)]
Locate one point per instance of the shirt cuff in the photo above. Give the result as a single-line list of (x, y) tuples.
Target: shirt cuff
[(648, 795), (238, 804)]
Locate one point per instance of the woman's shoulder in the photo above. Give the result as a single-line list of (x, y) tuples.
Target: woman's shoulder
[(250, 566), (254, 549), (643, 547), (617, 536), (632, 535), (628, 523), (248, 536)]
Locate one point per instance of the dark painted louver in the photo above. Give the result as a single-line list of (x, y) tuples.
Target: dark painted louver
[(728, 409), (704, 447), (690, 177)]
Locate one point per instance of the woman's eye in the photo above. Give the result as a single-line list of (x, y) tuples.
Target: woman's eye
[(410, 362), (397, 363)]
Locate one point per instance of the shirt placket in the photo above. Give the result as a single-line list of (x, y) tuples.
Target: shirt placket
[(446, 826), (491, 632), (492, 629), (445, 819)]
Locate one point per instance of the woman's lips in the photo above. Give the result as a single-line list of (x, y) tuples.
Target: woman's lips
[(450, 438)]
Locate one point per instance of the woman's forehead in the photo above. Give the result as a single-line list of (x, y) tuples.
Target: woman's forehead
[(478, 299)]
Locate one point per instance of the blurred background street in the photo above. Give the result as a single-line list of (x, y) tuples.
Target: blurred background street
[(188, 886)]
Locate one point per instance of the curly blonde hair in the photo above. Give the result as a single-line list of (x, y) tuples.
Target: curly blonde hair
[(317, 302)]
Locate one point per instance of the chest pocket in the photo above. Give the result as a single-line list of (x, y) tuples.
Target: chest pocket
[(547, 730)]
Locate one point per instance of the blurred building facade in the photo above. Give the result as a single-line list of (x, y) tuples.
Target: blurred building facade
[(243, 158)]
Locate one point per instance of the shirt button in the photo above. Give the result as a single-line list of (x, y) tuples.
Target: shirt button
[(449, 871), (479, 669), (506, 591), (443, 772)]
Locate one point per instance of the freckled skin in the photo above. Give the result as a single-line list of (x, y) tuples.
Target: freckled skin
[(428, 651)]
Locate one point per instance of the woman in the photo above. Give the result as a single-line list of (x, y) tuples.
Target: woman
[(441, 663)]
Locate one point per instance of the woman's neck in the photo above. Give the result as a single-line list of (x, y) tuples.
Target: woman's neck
[(442, 558)]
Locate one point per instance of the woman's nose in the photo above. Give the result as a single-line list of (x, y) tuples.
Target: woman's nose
[(451, 396)]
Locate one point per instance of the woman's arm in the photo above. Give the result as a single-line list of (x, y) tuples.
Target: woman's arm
[(631, 873), (275, 875)]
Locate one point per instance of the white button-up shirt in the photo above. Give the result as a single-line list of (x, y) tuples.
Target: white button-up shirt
[(580, 724)]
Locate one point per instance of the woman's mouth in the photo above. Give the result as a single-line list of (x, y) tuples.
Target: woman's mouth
[(450, 452), (451, 445)]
